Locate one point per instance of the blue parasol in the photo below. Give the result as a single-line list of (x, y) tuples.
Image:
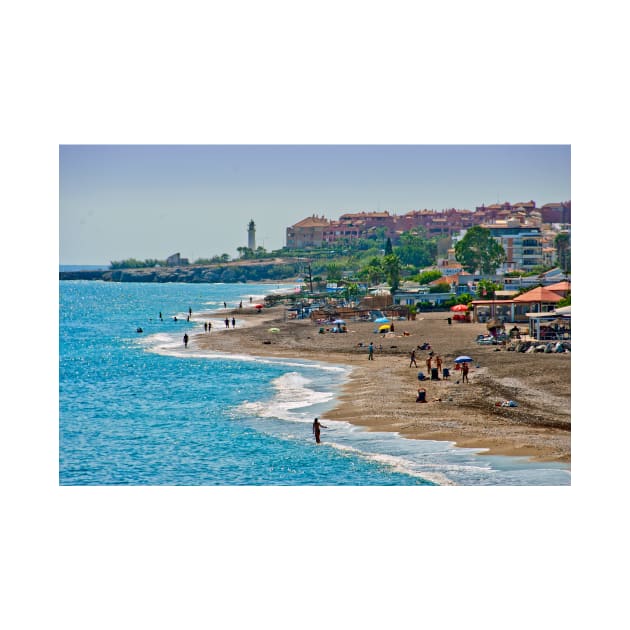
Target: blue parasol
[(381, 320), (463, 359)]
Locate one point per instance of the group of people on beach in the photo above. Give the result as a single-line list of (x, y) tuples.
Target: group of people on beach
[(435, 371)]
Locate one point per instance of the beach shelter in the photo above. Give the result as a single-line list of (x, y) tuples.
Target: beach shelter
[(382, 320), (383, 328), (540, 299), (339, 321), (258, 305), (495, 323)]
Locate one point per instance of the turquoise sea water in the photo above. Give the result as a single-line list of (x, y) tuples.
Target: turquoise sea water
[(140, 409)]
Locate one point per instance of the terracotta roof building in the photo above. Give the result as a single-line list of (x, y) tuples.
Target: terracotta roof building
[(308, 232)]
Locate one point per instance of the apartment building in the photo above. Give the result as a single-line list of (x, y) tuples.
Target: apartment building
[(308, 232)]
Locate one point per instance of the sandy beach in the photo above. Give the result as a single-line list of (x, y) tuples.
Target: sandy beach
[(380, 395)]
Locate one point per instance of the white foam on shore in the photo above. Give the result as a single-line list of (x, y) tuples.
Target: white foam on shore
[(396, 464), (291, 393), (439, 462), (172, 345)]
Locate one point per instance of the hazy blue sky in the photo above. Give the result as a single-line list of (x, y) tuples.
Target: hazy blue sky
[(151, 201)]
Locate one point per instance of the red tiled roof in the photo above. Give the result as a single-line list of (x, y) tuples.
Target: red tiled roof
[(539, 294), (564, 285), (312, 222)]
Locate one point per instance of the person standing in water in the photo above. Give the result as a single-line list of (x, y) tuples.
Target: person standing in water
[(316, 429), (185, 340)]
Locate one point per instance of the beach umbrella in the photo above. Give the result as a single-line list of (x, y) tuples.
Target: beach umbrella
[(274, 330), (458, 308), (463, 359), (339, 321), (381, 320), (383, 327), (258, 305)]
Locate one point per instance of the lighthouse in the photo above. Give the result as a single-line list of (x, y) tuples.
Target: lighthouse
[(251, 235)]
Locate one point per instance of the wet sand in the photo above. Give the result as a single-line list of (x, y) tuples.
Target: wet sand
[(381, 394)]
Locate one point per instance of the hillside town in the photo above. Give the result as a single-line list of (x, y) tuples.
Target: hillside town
[(526, 232), (519, 272)]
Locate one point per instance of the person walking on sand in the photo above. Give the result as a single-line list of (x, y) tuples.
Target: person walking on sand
[(209, 326), (465, 373), (371, 352), (316, 429), (185, 340), (429, 358), (227, 322), (438, 364), (412, 358)]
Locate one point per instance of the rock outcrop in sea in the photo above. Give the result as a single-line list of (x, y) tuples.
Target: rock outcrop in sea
[(234, 272)]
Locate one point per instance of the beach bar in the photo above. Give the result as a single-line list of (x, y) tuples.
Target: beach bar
[(551, 326), (538, 300)]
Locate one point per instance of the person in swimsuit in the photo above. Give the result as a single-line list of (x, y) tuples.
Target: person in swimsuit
[(316, 429)]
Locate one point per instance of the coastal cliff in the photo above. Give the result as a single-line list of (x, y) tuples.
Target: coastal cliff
[(228, 272)]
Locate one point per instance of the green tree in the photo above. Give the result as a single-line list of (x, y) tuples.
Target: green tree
[(333, 272), (563, 251), (416, 250), (373, 271), (442, 287), (478, 251), (428, 276), (565, 301), (245, 252), (351, 290), (486, 289), (391, 266), (388, 247)]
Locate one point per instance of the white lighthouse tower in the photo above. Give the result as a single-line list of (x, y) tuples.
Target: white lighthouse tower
[(251, 235)]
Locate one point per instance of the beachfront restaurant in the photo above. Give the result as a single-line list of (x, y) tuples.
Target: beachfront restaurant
[(538, 300), (551, 326)]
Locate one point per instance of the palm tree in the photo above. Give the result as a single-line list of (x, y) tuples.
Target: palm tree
[(563, 250), (391, 265)]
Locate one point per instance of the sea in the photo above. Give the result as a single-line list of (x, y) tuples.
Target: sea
[(137, 408)]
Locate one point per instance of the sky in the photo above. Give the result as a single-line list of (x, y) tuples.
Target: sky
[(151, 201)]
